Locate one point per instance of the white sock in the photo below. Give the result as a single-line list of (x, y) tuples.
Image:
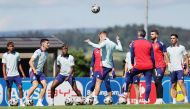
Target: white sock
[(174, 100), (186, 99), (125, 93), (128, 100), (137, 100), (40, 100), (95, 97), (52, 99), (20, 100)]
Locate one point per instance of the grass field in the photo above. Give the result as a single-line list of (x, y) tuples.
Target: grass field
[(165, 106)]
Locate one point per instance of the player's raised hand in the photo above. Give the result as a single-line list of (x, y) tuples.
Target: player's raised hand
[(117, 37), (87, 40)]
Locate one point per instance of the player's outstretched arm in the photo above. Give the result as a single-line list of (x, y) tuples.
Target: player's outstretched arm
[(95, 45)]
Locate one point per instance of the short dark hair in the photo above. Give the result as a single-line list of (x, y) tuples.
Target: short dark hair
[(104, 32), (174, 35), (156, 31), (43, 40), (64, 45), (10, 43), (142, 32)]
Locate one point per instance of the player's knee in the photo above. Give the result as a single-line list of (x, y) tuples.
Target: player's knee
[(35, 85), (181, 83), (52, 87), (44, 86)]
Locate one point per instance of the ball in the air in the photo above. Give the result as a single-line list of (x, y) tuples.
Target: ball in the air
[(95, 8)]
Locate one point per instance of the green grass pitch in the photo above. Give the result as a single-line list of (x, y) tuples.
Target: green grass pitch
[(164, 106)]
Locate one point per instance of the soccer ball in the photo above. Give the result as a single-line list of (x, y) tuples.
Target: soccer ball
[(95, 8), (108, 100), (29, 102), (122, 100), (79, 101), (89, 100), (68, 101), (13, 102)]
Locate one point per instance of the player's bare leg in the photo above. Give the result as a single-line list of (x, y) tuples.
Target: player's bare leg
[(97, 90), (173, 92), (42, 92), (20, 94), (128, 95), (74, 86), (136, 86), (182, 86), (53, 86), (31, 90)]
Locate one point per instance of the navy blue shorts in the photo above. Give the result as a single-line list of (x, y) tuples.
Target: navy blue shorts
[(135, 80), (177, 75), (14, 79), (159, 73), (62, 78), (104, 74), (37, 77)]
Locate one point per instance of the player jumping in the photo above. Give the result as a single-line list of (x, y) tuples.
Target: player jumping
[(11, 61)]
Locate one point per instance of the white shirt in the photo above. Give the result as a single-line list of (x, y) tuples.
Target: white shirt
[(11, 60), (65, 63), (40, 58), (128, 60), (176, 56), (107, 47)]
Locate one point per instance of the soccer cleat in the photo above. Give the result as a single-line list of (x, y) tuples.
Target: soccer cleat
[(52, 103), (145, 102), (95, 102), (157, 101), (128, 103), (39, 104), (136, 101), (186, 101), (174, 102), (22, 104)]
